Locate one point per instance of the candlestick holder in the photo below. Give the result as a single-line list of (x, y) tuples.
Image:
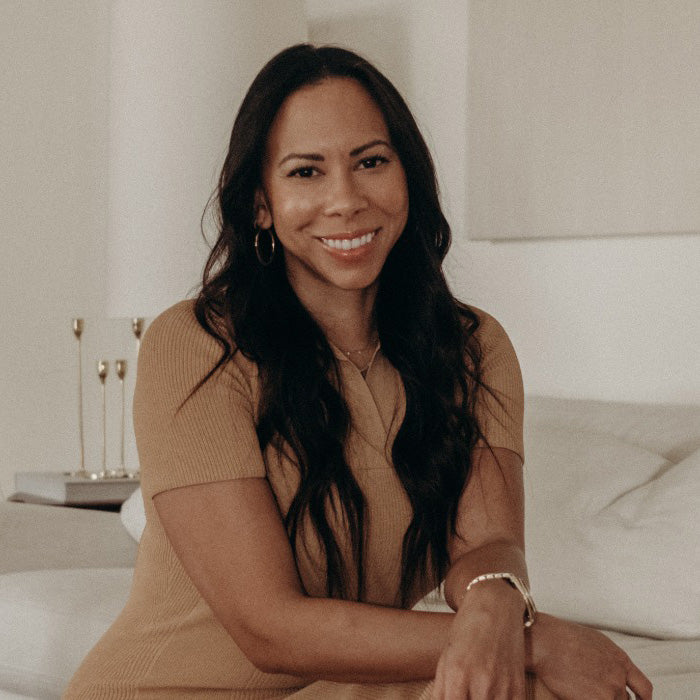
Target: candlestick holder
[(137, 329), (78, 325), (102, 372), (120, 367)]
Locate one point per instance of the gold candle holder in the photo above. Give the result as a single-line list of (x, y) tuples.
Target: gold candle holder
[(137, 329), (102, 372), (137, 326), (78, 325), (121, 373)]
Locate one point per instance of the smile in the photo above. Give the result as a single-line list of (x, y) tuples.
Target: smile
[(349, 243)]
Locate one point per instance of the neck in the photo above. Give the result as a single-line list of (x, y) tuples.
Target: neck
[(345, 316)]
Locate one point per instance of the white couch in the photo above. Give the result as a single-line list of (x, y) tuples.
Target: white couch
[(613, 539)]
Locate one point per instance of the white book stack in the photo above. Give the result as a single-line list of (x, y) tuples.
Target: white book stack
[(60, 488)]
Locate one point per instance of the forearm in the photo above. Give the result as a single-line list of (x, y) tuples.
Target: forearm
[(496, 556), (345, 641), (354, 642)]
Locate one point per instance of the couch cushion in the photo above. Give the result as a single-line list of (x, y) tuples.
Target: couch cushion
[(670, 430), (50, 620), (612, 533), (133, 514), (54, 537), (673, 666)]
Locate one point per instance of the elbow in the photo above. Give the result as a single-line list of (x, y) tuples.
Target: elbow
[(265, 646), (265, 666), (263, 657), (271, 665), (257, 645), (269, 657)]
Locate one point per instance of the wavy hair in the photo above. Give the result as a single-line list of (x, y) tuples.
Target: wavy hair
[(426, 334)]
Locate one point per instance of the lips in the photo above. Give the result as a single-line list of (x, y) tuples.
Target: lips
[(349, 241)]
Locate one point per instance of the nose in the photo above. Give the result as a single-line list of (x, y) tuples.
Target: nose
[(345, 195)]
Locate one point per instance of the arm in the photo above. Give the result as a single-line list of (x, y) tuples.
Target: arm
[(490, 531), (573, 661), (202, 466), (228, 532), (485, 654), (231, 540)]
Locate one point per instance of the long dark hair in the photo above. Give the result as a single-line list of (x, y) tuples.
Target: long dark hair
[(425, 333)]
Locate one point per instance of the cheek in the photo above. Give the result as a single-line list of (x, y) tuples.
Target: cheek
[(395, 199), (292, 210)]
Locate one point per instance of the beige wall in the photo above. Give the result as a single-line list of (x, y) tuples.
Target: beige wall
[(179, 70), (608, 318), (613, 318), (91, 91), (53, 199)]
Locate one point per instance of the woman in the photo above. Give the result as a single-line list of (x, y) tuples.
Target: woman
[(326, 433)]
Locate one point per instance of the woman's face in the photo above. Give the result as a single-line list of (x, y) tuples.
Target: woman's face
[(333, 187)]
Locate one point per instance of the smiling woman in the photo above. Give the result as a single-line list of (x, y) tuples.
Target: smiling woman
[(334, 190), (326, 434)]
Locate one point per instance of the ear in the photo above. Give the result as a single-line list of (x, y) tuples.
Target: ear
[(263, 215)]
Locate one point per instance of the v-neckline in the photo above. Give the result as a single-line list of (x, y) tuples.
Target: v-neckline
[(370, 398)]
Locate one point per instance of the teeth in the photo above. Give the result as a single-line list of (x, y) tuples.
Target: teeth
[(348, 243)]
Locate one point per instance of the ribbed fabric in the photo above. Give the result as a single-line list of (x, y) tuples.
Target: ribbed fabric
[(167, 642)]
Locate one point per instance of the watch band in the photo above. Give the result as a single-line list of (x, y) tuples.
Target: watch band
[(517, 583)]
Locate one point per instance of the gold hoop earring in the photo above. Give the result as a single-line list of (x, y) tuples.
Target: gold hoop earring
[(264, 262)]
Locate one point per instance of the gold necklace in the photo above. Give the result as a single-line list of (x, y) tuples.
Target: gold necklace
[(347, 353), (370, 346)]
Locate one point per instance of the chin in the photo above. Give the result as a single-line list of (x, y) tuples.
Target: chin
[(355, 283)]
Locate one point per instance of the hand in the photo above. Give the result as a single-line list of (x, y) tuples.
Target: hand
[(485, 654), (578, 662)]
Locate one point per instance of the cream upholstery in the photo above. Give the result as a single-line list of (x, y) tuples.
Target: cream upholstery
[(64, 573)]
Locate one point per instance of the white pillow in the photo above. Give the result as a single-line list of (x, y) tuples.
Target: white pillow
[(612, 533), (50, 620), (133, 514)]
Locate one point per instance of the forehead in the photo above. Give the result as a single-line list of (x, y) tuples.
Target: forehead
[(335, 113)]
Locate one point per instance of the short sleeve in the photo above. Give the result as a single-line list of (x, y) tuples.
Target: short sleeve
[(500, 402), (184, 438)]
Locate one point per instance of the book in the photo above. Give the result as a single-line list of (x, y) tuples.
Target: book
[(60, 488)]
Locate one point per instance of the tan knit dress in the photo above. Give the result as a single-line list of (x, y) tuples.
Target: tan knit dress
[(167, 643)]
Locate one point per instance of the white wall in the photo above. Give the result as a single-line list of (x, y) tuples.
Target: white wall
[(179, 70), (65, 92), (613, 318), (53, 199), (608, 318)]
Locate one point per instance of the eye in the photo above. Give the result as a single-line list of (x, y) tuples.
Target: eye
[(304, 171), (372, 162)]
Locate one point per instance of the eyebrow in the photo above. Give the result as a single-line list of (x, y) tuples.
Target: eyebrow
[(317, 157)]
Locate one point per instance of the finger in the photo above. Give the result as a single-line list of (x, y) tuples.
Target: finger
[(492, 689), (449, 686), (639, 684), (518, 690), (438, 686), (502, 688)]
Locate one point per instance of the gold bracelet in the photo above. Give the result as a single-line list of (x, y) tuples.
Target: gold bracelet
[(519, 585)]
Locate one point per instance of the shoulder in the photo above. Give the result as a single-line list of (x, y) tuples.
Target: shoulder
[(194, 420), (176, 328), (498, 362), (176, 354), (490, 334), (177, 351), (500, 398), (176, 334)]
